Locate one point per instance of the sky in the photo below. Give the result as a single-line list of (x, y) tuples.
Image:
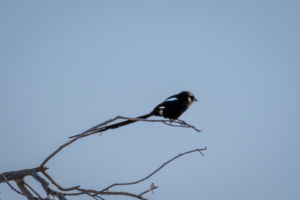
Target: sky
[(66, 66)]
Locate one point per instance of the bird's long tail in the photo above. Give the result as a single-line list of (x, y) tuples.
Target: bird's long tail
[(113, 126)]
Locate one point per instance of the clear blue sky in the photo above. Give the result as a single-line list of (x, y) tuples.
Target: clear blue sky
[(66, 66)]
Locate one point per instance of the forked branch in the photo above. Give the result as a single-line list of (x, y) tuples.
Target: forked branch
[(98, 127), (18, 176)]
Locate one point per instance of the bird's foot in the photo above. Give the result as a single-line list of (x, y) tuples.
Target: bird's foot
[(181, 122)]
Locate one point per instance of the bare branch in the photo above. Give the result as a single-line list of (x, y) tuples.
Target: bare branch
[(19, 175), (92, 196), (15, 175), (93, 129), (27, 193), (98, 197), (100, 127), (123, 193), (76, 138), (57, 185), (167, 122), (58, 150), (32, 190), (23, 188), (116, 184), (74, 194), (92, 193), (152, 187), (46, 187), (106, 192)]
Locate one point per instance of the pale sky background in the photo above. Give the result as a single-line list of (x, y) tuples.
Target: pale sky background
[(66, 66)]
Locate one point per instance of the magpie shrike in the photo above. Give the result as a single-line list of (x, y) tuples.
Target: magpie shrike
[(172, 108)]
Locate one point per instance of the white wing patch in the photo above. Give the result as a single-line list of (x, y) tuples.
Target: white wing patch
[(161, 112), (172, 99)]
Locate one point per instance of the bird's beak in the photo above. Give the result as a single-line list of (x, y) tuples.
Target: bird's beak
[(195, 99)]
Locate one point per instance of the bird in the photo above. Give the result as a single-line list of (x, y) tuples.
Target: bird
[(171, 108)]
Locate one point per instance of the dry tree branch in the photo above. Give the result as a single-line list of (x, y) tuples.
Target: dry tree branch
[(98, 127), (19, 175), (181, 122), (23, 188), (14, 175), (76, 138), (57, 185), (106, 192), (181, 154), (91, 193), (46, 187), (152, 187), (98, 197), (32, 190), (125, 194), (14, 189), (55, 152)]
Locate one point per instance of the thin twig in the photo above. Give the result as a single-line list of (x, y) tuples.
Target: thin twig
[(57, 185), (74, 194), (106, 192), (199, 150), (91, 196), (100, 127), (55, 152), (32, 190), (151, 189), (92, 130), (99, 197), (73, 140), (124, 193), (46, 187), (181, 122)]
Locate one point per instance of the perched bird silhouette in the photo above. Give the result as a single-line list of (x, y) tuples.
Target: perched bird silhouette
[(172, 108)]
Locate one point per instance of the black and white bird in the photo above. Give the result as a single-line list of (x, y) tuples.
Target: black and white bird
[(172, 108)]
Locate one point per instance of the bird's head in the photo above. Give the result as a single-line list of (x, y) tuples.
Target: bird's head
[(188, 95)]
